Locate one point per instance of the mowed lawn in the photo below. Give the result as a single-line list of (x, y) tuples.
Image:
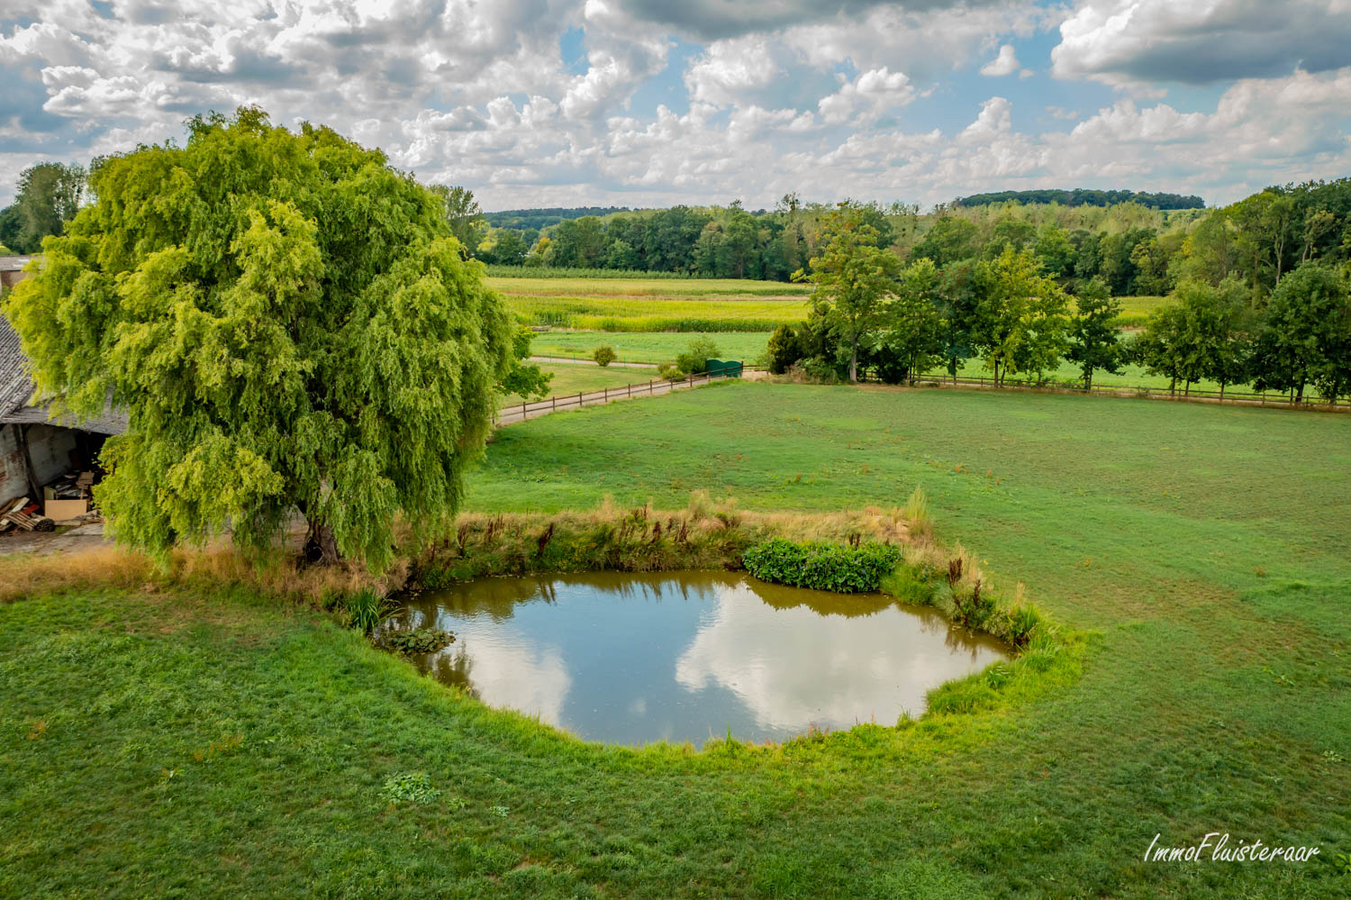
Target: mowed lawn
[(210, 744)]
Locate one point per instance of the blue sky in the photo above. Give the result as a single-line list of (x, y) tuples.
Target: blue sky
[(644, 102)]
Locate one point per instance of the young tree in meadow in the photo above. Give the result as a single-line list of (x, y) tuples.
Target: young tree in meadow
[(784, 349), (854, 279), (960, 288), (519, 378), (1022, 321), (1306, 334), (289, 324), (1213, 342), (1095, 341), (1160, 348), (909, 340)]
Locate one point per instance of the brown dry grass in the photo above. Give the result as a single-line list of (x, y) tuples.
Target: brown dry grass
[(27, 574)]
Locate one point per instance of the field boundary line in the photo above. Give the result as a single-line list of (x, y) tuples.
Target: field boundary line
[(533, 409), (1139, 392)]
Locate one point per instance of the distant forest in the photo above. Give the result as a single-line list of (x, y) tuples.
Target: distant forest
[(521, 219), (1138, 243), (1081, 197)]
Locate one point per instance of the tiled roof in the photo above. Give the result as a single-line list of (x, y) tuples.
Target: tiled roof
[(15, 385), (13, 263), (16, 389)]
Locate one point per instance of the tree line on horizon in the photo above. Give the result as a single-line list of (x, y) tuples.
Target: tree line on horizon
[(1085, 197), (1138, 250)]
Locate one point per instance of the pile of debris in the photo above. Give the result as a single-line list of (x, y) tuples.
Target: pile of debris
[(24, 515), (72, 486)]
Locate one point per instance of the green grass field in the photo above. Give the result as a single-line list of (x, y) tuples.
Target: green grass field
[(569, 378), (214, 745), (647, 347)]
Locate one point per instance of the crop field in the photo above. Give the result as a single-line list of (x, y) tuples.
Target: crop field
[(207, 743), (653, 304), (1138, 309), (662, 288)]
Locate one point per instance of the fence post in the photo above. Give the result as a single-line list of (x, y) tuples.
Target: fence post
[(522, 410), (579, 400), (554, 401)]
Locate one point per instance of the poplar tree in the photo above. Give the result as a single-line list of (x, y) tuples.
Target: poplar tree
[(289, 324), (854, 279)]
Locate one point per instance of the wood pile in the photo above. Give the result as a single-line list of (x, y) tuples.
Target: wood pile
[(23, 515)]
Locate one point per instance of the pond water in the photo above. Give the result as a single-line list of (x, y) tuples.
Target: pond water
[(685, 656)]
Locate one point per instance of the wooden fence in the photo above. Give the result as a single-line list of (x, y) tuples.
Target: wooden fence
[(530, 409), (1239, 398)]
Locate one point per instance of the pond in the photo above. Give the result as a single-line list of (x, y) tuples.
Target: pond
[(685, 656)]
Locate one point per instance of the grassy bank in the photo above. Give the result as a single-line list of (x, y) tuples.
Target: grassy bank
[(200, 742)]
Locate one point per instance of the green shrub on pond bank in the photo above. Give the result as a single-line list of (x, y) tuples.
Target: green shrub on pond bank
[(822, 566)]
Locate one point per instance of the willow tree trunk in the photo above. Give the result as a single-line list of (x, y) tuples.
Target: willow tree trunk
[(320, 546)]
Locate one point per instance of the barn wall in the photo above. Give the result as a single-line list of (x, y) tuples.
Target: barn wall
[(12, 481), (51, 449)]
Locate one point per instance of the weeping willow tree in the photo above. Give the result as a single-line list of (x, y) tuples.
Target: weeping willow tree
[(289, 324)]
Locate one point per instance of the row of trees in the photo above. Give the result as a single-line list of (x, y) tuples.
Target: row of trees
[(1300, 336), (714, 242), (874, 315)]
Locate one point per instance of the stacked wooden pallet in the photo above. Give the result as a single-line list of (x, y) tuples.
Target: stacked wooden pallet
[(23, 515)]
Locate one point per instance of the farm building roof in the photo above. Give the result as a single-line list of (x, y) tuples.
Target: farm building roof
[(17, 387)]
